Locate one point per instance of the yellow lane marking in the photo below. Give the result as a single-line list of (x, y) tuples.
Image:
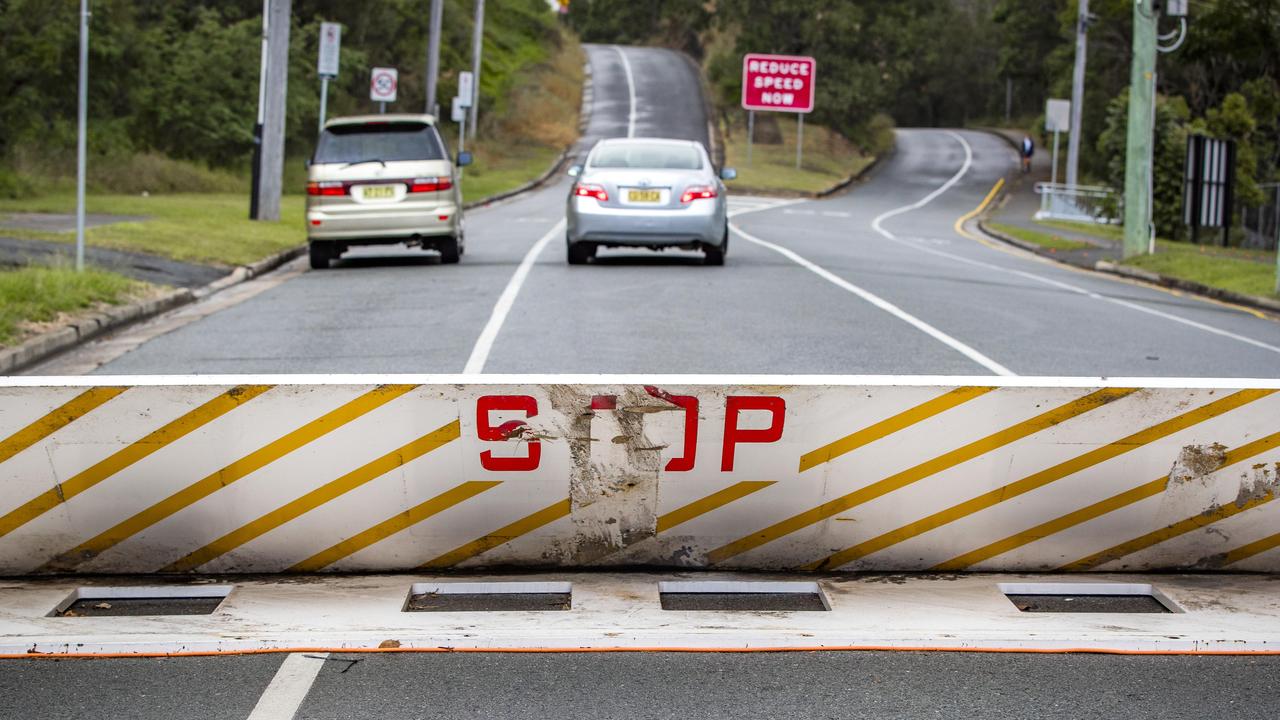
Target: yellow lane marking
[(237, 470), (1028, 255), (1182, 527), (57, 419), (1256, 547), (711, 502), (156, 440), (393, 525), (1040, 479), (505, 534), (888, 426), (959, 226), (916, 473), (1096, 510), (296, 508)]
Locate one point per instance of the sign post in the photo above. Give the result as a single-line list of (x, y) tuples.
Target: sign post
[(1057, 119), (327, 63), (461, 104), (778, 83), (382, 86), (82, 120)]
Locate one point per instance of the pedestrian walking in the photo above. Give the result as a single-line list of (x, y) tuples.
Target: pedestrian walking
[(1028, 149)]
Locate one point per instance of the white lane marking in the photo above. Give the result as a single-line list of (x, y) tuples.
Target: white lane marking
[(881, 303), (484, 344), (1096, 296), (968, 162), (289, 687), (631, 90)]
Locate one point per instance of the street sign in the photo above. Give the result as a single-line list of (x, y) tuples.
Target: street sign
[(1209, 184), (466, 88), (459, 111), (778, 83), (1057, 116), (382, 84), (330, 44)]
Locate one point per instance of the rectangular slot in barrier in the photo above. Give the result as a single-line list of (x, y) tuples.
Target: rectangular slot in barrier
[(489, 597), (142, 600), (1087, 598), (737, 596)]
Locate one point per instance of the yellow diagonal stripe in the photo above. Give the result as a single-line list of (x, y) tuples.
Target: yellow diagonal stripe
[(85, 479), (314, 499), (57, 419), (889, 426), (1256, 547), (1096, 510), (393, 525), (505, 534), (711, 502), (916, 473), (214, 482), (1038, 480), (1168, 532)]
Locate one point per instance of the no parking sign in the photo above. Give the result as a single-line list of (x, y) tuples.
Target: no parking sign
[(382, 84)]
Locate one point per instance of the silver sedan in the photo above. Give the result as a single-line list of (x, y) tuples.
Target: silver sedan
[(652, 193)]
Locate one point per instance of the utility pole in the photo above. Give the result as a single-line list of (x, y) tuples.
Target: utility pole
[(433, 55), (1077, 95), (82, 131), (1142, 90), (274, 92), (477, 45), (256, 171)]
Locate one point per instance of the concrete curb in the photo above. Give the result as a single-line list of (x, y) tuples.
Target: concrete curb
[(839, 187), (1255, 302), (533, 184), (82, 329)]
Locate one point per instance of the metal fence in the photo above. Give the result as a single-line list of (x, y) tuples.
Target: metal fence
[(1082, 203), (1261, 225)]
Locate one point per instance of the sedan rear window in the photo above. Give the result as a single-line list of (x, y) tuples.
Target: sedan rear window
[(385, 141), (647, 156)]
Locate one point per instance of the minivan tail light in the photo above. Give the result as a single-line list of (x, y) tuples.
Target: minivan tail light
[(592, 191), (430, 184), (329, 188), (700, 192)]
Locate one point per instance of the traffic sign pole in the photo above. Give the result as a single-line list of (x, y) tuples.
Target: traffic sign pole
[(327, 62), (324, 98), (751, 133), (82, 131), (800, 142)]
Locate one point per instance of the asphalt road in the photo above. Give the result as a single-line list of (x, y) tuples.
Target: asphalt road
[(657, 685), (904, 293)]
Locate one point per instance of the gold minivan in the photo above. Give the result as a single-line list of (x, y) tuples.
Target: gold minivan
[(383, 180)]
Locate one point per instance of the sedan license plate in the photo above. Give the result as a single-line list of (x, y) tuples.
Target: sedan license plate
[(644, 196), (378, 192)]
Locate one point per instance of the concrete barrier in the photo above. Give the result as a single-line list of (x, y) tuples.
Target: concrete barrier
[(396, 473)]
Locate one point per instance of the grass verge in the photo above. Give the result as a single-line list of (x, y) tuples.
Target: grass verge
[(828, 159), (204, 228), (33, 295), (1047, 241), (1190, 262)]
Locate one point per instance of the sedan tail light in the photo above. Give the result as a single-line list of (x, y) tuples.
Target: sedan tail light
[(699, 192), (592, 191), (328, 188), (430, 184)]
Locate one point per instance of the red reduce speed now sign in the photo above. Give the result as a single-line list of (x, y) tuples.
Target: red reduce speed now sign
[(778, 83)]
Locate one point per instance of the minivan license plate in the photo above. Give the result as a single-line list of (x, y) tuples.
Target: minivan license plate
[(644, 196), (378, 192)]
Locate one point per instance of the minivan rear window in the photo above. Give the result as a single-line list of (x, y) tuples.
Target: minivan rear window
[(378, 141), (648, 156)]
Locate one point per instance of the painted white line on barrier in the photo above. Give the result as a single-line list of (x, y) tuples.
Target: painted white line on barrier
[(964, 169), (631, 91), (1096, 296), (289, 687), (484, 344), (881, 303)]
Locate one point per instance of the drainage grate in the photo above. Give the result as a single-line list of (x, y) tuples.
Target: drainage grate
[(489, 597), (141, 601), (1087, 598), (731, 596)]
